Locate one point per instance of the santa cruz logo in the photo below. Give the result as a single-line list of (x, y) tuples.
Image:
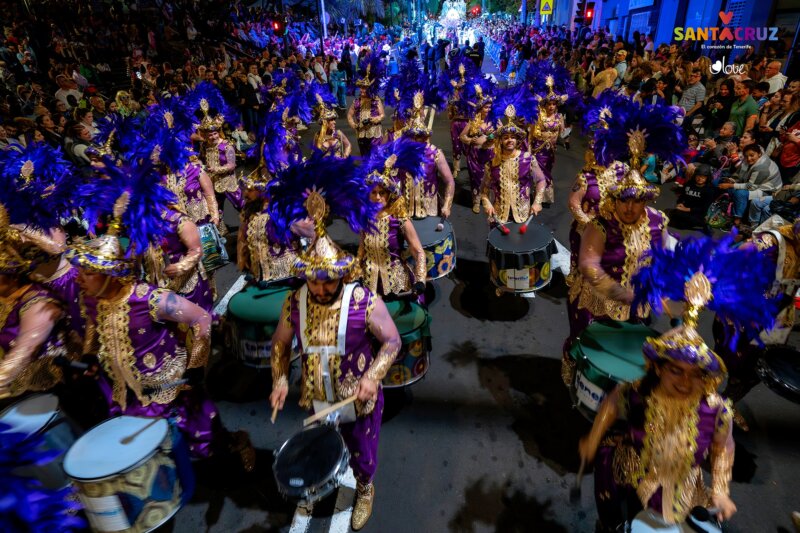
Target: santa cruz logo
[(725, 33), (719, 66)]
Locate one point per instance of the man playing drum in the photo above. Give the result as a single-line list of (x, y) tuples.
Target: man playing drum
[(336, 325), (510, 177), (219, 156)]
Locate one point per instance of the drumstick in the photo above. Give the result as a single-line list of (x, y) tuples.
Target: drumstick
[(274, 413), (328, 410), (503, 229), (524, 228), (575, 492), (127, 440), (440, 225)]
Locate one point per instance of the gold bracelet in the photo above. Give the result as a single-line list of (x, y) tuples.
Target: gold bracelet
[(201, 346), (279, 367), (721, 470), (380, 365)]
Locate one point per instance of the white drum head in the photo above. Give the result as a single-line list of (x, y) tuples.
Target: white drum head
[(32, 414), (106, 451)]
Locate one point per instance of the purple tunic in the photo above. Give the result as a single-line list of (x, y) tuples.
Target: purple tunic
[(456, 127), (477, 158), (194, 286), (384, 271), (368, 138), (66, 289), (228, 184), (137, 351), (362, 435), (196, 206), (608, 492), (519, 207)]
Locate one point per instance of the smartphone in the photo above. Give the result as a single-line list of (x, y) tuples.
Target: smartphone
[(139, 75)]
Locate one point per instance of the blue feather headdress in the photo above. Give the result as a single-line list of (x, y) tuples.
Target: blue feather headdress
[(400, 88), (315, 188), (552, 82), (478, 95), (26, 505), (37, 186), (601, 109), (705, 272), (271, 140), (388, 164), (163, 141), (133, 195), (525, 105), (371, 71), (207, 95), (118, 135)]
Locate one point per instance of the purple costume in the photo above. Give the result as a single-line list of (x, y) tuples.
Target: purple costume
[(191, 283), (186, 186), (510, 184), (379, 256), (64, 286), (40, 374), (370, 136), (544, 148), (221, 166), (615, 459), (138, 352), (320, 329), (477, 158), (457, 124), (625, 245), (422, 199)]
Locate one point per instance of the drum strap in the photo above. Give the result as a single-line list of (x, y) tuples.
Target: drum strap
[(326, 351)]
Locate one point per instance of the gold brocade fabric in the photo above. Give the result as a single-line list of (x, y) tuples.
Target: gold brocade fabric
[(636, 238), (667, 459), (267, 262), (791, 262), (512, 203), (176, 183), (117, 355), (322, 324), (373, 131), (379, 265), (222, 183), (197, 210), (420, 204)]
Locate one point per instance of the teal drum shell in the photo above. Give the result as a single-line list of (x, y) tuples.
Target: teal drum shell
[(439, 246), (215, 255), (607, 353), (252, 318), (413, 323)]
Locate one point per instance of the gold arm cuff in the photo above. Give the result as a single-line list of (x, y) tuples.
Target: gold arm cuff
[(200, 348), (279, 361), (581, 217), (385, 358), (420, 267), (211, 202), (188, 262), (537, 200), (721, 470), (485, 203)]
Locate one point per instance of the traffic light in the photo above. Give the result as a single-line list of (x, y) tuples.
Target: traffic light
[(588, 15), (278, 27), (476, 11), (579, 13)]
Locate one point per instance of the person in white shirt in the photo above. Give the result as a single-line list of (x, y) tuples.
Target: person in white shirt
[(774, 77), (67, 87), (319, 70)]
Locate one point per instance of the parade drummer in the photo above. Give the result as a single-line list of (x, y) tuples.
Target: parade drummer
[(511, 177), (458, 116), (422, 195), (672, 421), (330, 139), (544, 134), (366, 112), (336, 325), (135, 330), (29, 318), (477, 136), (625, 230), (379, 259), (219, 157)]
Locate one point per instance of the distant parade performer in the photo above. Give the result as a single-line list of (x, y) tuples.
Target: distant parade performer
[(625, 231), (513, 184), (331, 140), (477, 136), (366, 112), (312, 315), (219, 157), (458, 114), (544, 134)]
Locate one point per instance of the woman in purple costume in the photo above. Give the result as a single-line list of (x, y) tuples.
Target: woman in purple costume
[(195, 192), (544, 135), (477, 137), (672, 421), (176, 265)]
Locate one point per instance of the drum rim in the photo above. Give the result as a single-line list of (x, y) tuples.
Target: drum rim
[(307, 489), (53, 417), (445, 234), (122, 471), (767, 376), (511, 225), (427, 356)]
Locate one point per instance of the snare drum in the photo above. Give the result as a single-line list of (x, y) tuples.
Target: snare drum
[(129, 475), (439, 246), (40, 415), (252, 318), (779, 369), (607, 353), (520, 263), (413, 323), (311, 464), (215, 255), (648, 521)]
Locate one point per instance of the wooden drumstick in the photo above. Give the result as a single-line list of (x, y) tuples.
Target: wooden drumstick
[(274, 413), (503, 229), (127, 440), (328, 410)]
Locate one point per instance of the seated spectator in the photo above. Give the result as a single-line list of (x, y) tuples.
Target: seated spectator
[(773, 76), (692, 95), (788, 156), (718, 107), (648, 168), (757, 177), (692, 206), (760, 92), (8, 143), (744, 110)]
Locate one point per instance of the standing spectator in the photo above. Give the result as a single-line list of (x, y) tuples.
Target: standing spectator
[(692, 95), (319, 70), (760, 92), (773, 76), (604, 80), (744, 110), (620, 65)]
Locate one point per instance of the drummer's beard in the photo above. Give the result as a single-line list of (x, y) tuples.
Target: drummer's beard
[(327, 298)]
